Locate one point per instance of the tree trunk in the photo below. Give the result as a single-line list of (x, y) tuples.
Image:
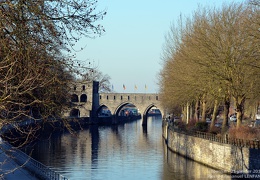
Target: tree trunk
[(214, 115), (191, 111), (188, 112), (184, 113), (239, 103), (204, 109), (197, 110), (226, 112)]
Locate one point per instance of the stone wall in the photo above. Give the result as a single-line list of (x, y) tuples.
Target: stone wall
[(82, 95), (226, 157), (142, 101)]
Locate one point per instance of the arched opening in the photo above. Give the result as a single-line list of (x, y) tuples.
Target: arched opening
[(127, 110), (75, 113), (74, 98), (154, 111), (83, 98), (103, 111)]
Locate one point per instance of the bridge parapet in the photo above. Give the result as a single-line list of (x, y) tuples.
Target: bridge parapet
[(86, 101), (134, 97), (143, 101)]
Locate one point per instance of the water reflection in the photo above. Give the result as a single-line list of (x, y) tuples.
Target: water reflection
[(127, 151), (174, 164)]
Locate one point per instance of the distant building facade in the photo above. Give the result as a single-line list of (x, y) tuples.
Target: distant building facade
[(84, 99)]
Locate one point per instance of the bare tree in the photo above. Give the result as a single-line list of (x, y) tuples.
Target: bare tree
[(35, 73), (215, 55), (93, 74)]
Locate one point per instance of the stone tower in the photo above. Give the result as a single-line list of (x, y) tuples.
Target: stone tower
[(84, 99)]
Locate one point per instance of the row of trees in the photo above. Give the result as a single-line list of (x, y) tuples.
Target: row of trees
[(36, 63), (212, 59)]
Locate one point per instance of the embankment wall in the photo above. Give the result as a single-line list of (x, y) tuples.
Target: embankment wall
[(222, 156)]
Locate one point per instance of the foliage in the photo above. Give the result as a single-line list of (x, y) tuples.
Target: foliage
[(93, 74), (244, 132), (215, 130), (201, 126), (212, 57), (35, 73)]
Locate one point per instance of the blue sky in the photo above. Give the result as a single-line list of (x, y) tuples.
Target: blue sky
[(130, 50)]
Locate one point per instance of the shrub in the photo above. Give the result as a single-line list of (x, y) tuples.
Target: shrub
[(180, 125), (244, 132), (201, 126), (215, 130), (191, 125)]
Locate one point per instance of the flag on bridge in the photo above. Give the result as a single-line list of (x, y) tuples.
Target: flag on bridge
[(135, 87), (124, 87), (112, 87), (145, 87)]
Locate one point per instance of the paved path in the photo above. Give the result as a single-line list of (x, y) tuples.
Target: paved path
[(10, 170)]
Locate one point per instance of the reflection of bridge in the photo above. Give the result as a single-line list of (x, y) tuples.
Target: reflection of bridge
[(86, 101)]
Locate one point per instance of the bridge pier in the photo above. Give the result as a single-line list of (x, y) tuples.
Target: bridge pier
[(144, 123), (114, 119)]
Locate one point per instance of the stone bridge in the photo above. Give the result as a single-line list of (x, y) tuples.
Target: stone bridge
[(86, 101), (142, 101)]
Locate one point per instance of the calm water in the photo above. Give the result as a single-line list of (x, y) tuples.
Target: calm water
[(123, 152)]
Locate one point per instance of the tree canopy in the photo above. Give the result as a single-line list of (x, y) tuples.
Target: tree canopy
[(214, 55), (36, 67)]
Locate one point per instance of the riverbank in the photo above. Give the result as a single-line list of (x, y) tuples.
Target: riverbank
[(15, 164), (214, 152), (10, 170)]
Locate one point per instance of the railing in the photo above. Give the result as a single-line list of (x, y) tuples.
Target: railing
[(253, 144), (39, 169)]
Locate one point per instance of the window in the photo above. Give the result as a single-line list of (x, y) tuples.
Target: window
[(83, 88), (83, 98), (74, 98)]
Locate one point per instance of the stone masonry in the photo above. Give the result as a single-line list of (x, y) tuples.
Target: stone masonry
[(226, 157)]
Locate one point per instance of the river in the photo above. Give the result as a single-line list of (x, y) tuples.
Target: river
[(124, 152)]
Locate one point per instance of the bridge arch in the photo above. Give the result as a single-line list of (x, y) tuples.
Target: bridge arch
[(100, 112), (120, 107), (149, 107), (142, 101)]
